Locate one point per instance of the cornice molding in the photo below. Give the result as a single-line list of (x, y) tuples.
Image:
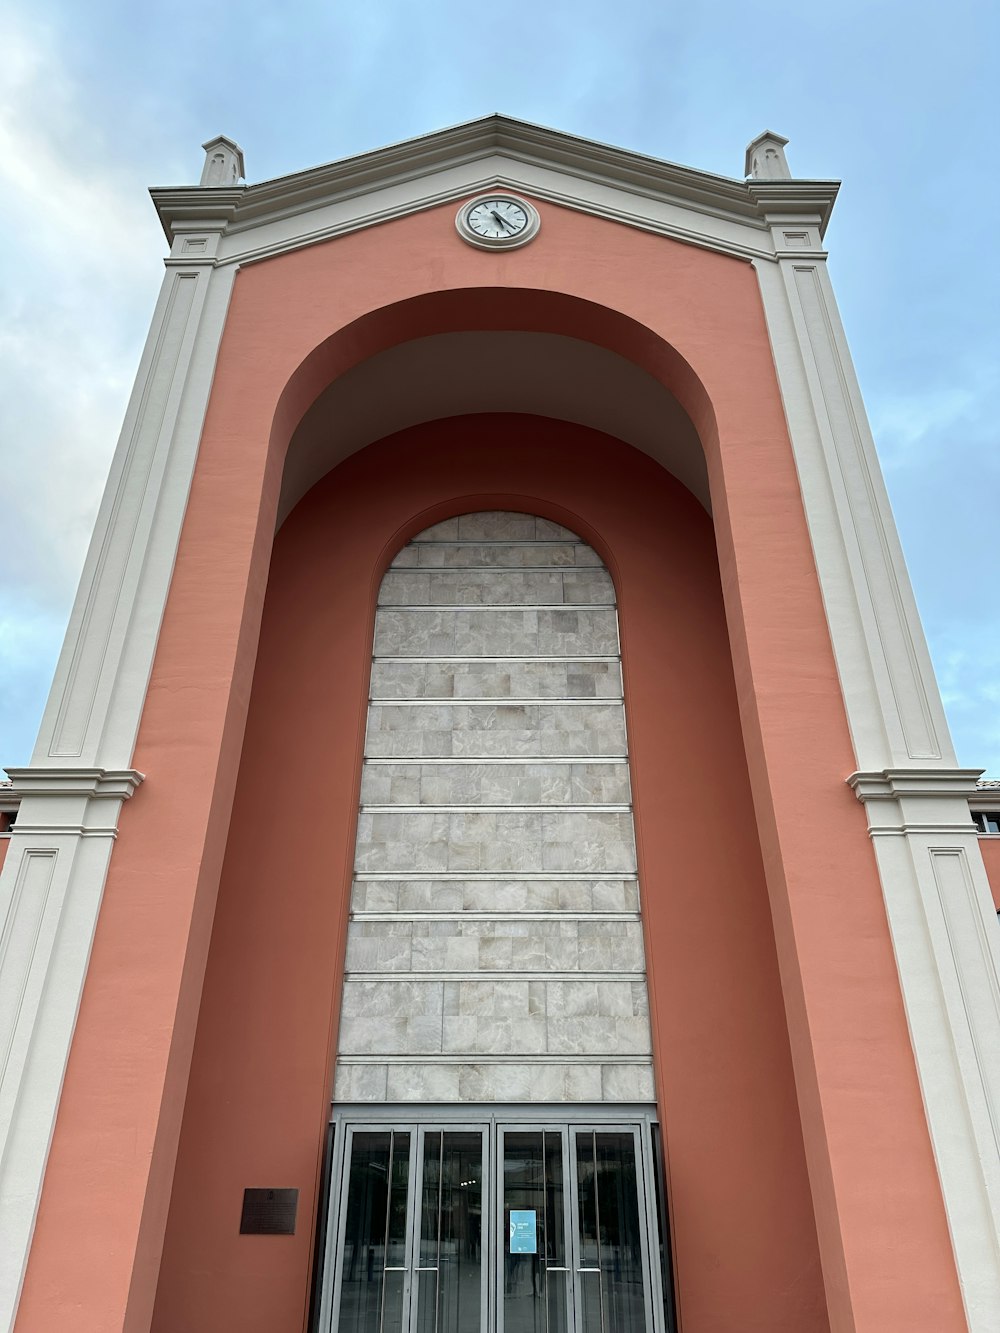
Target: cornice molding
[(236, 209), (88, 782), (892, 783)]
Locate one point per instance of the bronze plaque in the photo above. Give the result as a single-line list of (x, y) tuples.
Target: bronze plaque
[(269, 1212)]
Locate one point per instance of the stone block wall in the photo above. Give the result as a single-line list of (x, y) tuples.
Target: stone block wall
[(495, 947)]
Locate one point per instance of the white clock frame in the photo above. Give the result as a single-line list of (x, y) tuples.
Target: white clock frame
[(526, 234)]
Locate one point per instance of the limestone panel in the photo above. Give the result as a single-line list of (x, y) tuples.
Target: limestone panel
[(360, 1083), (506, 945), (440, 632), (473, 731), (494, 588), (494, 1082), (408, 897), (497, 679), (496, 555), (495, 784), (490, 841)]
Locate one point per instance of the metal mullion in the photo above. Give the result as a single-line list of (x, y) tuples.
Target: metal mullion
[(337, 1219), (572, 1223), (385, 1229), (545, 1233), (647, 1223), (597, 1231), (497, 1210), (437, 1276)]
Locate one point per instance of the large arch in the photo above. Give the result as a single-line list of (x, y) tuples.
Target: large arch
[(692, 319)]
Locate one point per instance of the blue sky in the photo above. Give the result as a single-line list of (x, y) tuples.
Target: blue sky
[(99, 101)]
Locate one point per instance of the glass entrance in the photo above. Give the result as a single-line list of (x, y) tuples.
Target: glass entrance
[(410, 1246), (576, 1255), (498, 1228)]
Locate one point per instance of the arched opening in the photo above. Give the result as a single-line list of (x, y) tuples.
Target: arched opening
[(458, 351), (726, 1096)]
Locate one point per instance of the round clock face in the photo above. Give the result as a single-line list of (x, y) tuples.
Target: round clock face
[(495, 218), (494, 221)]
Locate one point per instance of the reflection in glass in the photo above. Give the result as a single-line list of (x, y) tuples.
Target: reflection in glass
[(612, 1279), (534, 1297), (573, 1258), (449, 1277), (371, 1299)]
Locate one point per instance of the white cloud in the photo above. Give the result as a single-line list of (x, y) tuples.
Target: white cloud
[(967, 660), (78, 277), (909, 425)]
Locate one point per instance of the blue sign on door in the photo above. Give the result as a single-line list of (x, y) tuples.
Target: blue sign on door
[(523, 1231)]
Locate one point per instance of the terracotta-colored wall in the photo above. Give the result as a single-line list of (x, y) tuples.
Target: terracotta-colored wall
[(990, 848), (745, 1239), (4, 844), (693, 319)]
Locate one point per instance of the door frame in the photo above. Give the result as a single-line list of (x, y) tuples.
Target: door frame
[(419, 1119)]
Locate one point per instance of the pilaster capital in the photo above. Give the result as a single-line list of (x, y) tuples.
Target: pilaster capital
[(119, 783), (891, 784), (927, 803)]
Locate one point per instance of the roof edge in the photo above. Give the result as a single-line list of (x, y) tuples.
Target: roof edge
[(248, 205)]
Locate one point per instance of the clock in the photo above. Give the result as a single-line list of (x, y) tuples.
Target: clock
[(497, 221)]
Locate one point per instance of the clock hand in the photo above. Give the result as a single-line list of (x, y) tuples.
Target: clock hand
[(503, 221)]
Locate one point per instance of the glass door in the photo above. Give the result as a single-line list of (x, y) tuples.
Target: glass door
[(611, 1254), (409, 1246), (534, 1244), (573, 1231), (506, 1228)]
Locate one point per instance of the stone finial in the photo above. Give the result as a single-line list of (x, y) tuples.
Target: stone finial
[(766, 160), (223, 162)]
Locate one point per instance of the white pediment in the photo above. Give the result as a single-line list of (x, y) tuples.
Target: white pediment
[(718, 212)]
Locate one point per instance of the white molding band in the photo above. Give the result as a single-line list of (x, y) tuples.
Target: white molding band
[(99, 687), (50, 894), (54, 874), (947, 948), (893, 705)]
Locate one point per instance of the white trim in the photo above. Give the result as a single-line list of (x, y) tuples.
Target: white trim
[(893, 706), (641, 1059), (99, 687), (498, 152), (947, 948), (50, 893), (458, 808), (567, 914)]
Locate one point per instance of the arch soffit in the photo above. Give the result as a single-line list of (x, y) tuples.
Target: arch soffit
[(463, 351)]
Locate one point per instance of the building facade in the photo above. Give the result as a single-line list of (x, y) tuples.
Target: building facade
[(494, 857)]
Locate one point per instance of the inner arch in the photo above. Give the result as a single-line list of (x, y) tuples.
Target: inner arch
[(462, 373)]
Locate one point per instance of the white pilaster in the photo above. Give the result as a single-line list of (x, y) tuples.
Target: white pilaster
[(57, 862), (947, 946), (940, 916), (49, 898), (93, 710), (894, 707)]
